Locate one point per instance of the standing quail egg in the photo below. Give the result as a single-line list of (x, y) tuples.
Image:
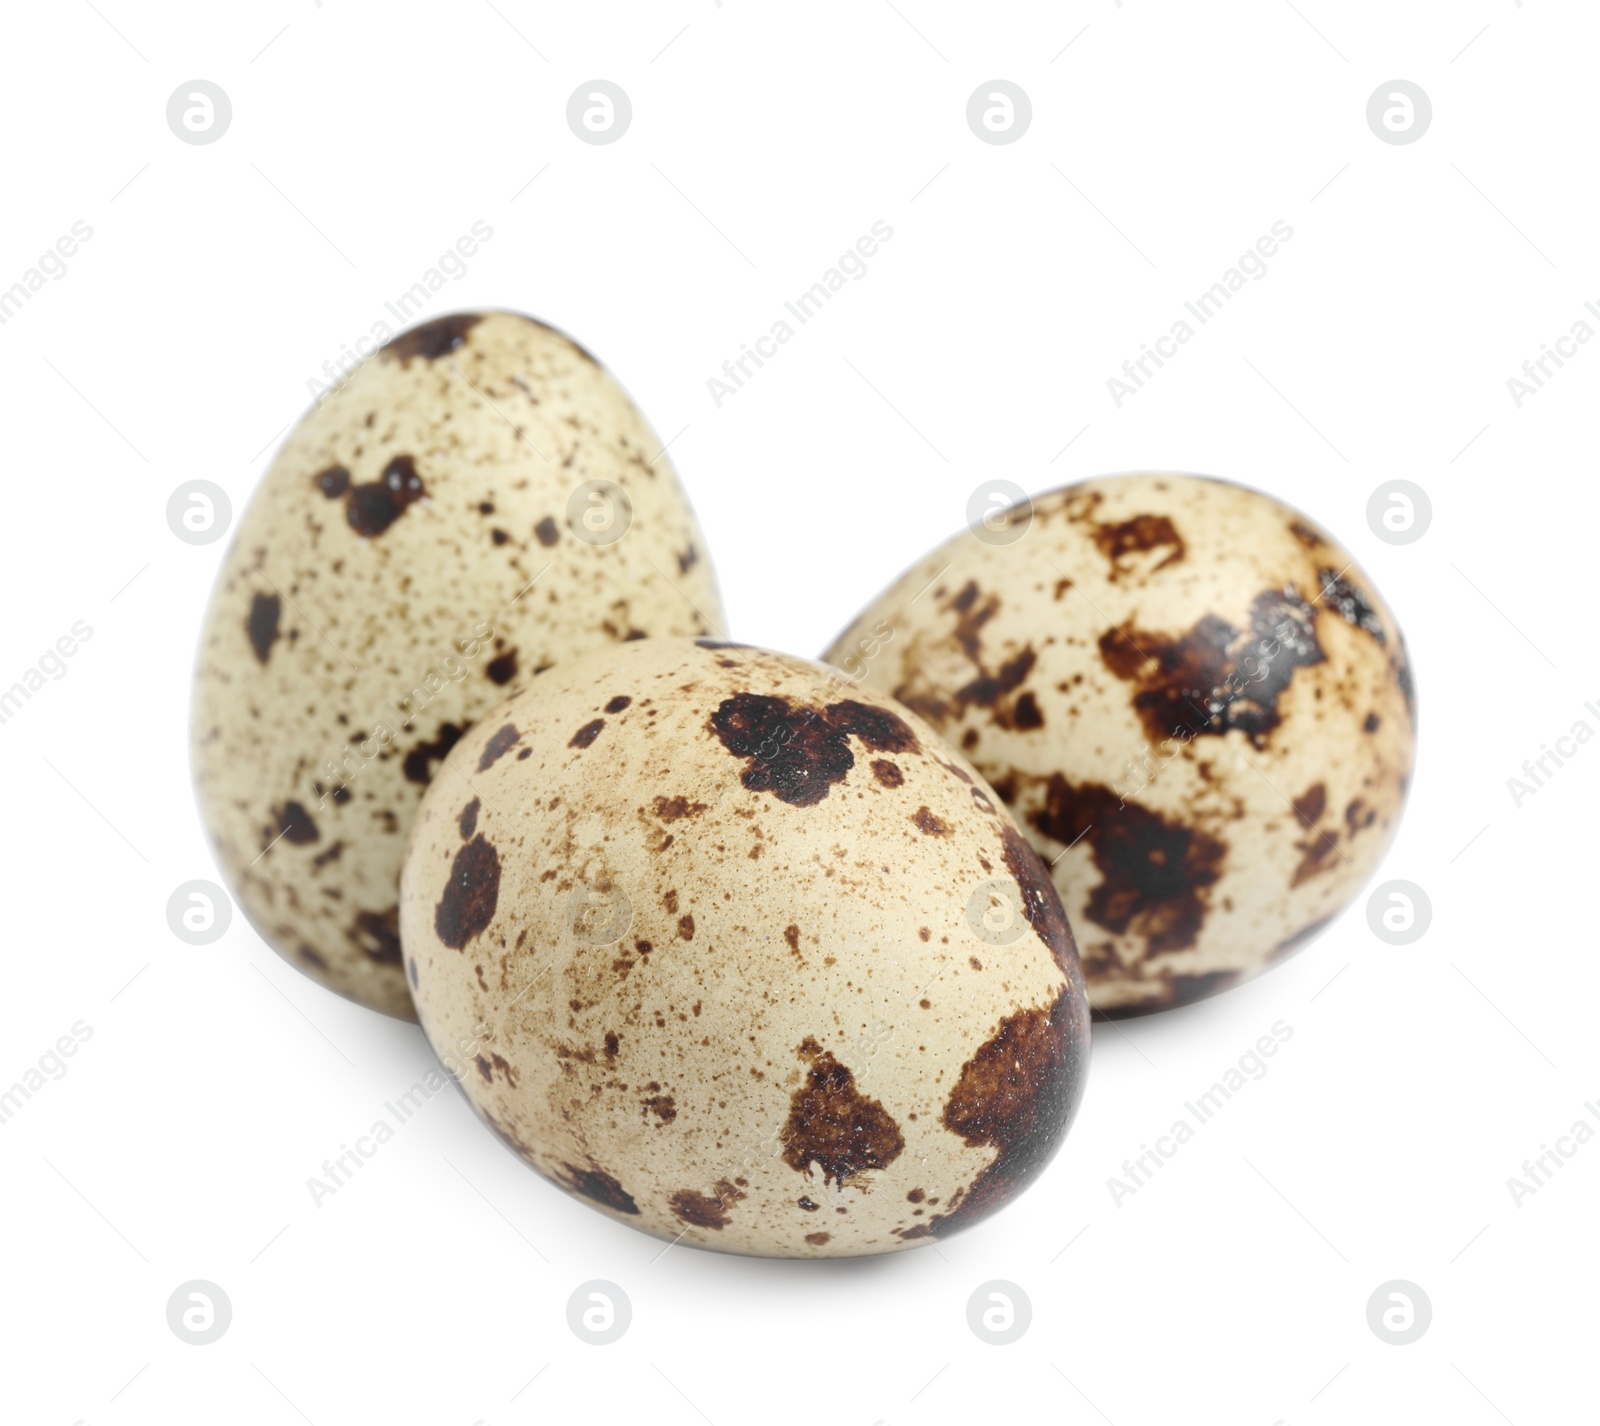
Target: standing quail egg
[(479, 500)]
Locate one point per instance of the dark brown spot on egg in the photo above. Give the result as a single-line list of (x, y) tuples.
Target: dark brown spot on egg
[(499, 536), (1310, 804), (1041, 904), (705, 1210), (1018, 1094), (617, 704), (929, 825), (1319, 853), (295, 824), (987, 689), (1370, 723), (1139, 535), (1350, 603), (662, 1106), (596, 1184), (1155, 875), (431, 340), (587, 734), (1307, 536), (792, 935), (468, 821), (887, 773), (686, 928), (377, 935), (262, 625), (418, 763), (817, 1240), (881, 730), (471, 894), (798, 752), (672, 809), (312, 956), (371, 509), (1025, 714), (833, 1125), (1215, 678), (500, 743), (502, 668), (547, 532), (807, 1205), (333, 482), (688, 559)]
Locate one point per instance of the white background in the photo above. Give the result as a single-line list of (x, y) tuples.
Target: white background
[(1167, 136)]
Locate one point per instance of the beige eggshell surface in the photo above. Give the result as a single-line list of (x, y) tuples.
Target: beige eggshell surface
[(696, 923), (418, 549), (1191, 698)]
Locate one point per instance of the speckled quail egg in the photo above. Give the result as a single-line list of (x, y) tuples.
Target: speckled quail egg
[(739, 955), (479, 500), (1190, 697)]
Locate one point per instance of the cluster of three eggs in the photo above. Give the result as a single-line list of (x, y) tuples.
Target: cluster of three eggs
[(769, 954)]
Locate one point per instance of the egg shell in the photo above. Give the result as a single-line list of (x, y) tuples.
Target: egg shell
[(691, 921), (1192, 699), (407, 562)]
